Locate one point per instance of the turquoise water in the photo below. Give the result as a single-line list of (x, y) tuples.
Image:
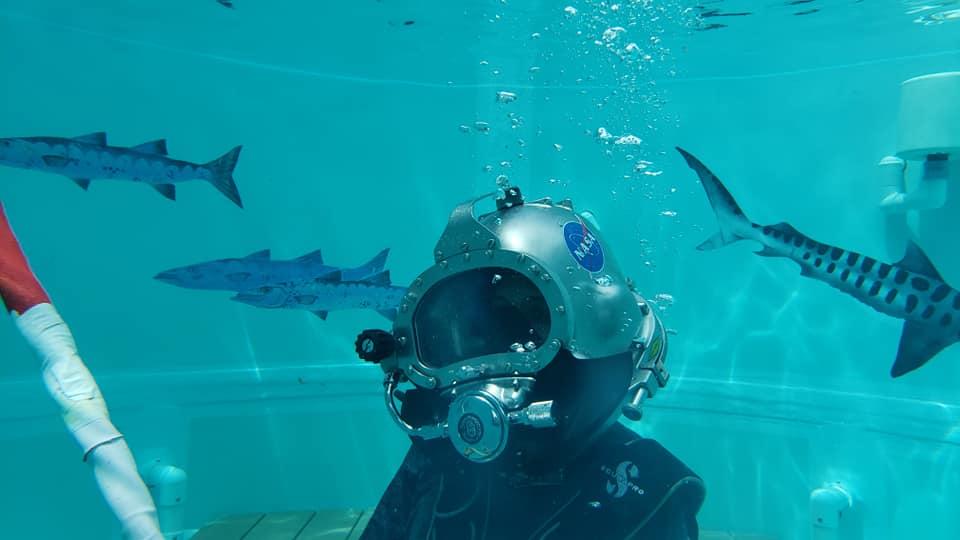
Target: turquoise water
[(351, 125)]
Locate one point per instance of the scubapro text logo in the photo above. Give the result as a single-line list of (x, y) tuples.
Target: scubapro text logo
[(621, 480)]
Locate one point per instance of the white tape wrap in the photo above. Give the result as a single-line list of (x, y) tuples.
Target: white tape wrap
[(68, 380), (72, 386)]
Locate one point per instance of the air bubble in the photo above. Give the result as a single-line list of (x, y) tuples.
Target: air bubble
[(603, 281), (628, 140), (506, 97), (613, 33), (603, 134), (663, 301)]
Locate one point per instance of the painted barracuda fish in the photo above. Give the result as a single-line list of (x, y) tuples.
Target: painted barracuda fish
[(321, 296), (258, 269), (910, 289), (88, 157)]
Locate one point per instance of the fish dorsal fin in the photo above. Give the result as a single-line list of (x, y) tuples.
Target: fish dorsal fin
[(330, 277), (98, 138), (915, 260), (158, 147), (262, 254), (312, 257), (377, 263), (84, 183), (390, 314), (919, 342), (380, 278), (322, 314)]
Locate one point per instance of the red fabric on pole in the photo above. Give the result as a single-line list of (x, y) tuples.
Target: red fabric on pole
[(19, 288)]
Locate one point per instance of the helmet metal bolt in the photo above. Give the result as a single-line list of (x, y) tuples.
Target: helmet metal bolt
[(491, 242), (465, 247), (404, 307), (488, 253), (561, 309), (466, 256), (443, 264)]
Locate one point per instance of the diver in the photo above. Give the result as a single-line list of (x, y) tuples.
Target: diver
[(511, 360)]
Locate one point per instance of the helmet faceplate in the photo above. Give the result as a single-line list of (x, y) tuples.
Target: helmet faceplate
[(555, 250)]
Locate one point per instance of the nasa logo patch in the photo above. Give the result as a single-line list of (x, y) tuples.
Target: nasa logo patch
[(583, 246)]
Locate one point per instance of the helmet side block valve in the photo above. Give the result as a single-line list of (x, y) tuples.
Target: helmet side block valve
[(538, 414), (375, 345), (651, 375)]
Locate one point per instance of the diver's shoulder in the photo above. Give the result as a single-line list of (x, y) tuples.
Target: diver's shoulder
[(638, 471), (619, 440)]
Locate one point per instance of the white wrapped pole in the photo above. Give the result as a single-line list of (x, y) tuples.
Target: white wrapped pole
[(72, 386)]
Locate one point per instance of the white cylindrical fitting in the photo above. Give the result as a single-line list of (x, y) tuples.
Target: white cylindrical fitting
[(929, 120), (896, 231), (168, 485), (891, 182), (828, 505)]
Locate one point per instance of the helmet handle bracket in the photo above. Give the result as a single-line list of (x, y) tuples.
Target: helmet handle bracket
[(464, 232)]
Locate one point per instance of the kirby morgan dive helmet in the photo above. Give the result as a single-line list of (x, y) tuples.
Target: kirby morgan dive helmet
[(524, 325)]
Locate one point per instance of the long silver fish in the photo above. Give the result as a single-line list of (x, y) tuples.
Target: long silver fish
[(910, 289), (88, 157), (323, 295), (258, 269)]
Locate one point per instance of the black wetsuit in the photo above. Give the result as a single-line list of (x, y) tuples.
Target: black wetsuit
[(624, 487)]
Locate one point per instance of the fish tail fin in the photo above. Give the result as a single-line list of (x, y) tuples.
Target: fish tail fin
[(222, 175), (733, 222)]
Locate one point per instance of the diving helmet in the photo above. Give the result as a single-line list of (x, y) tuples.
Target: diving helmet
[(510, 292)]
